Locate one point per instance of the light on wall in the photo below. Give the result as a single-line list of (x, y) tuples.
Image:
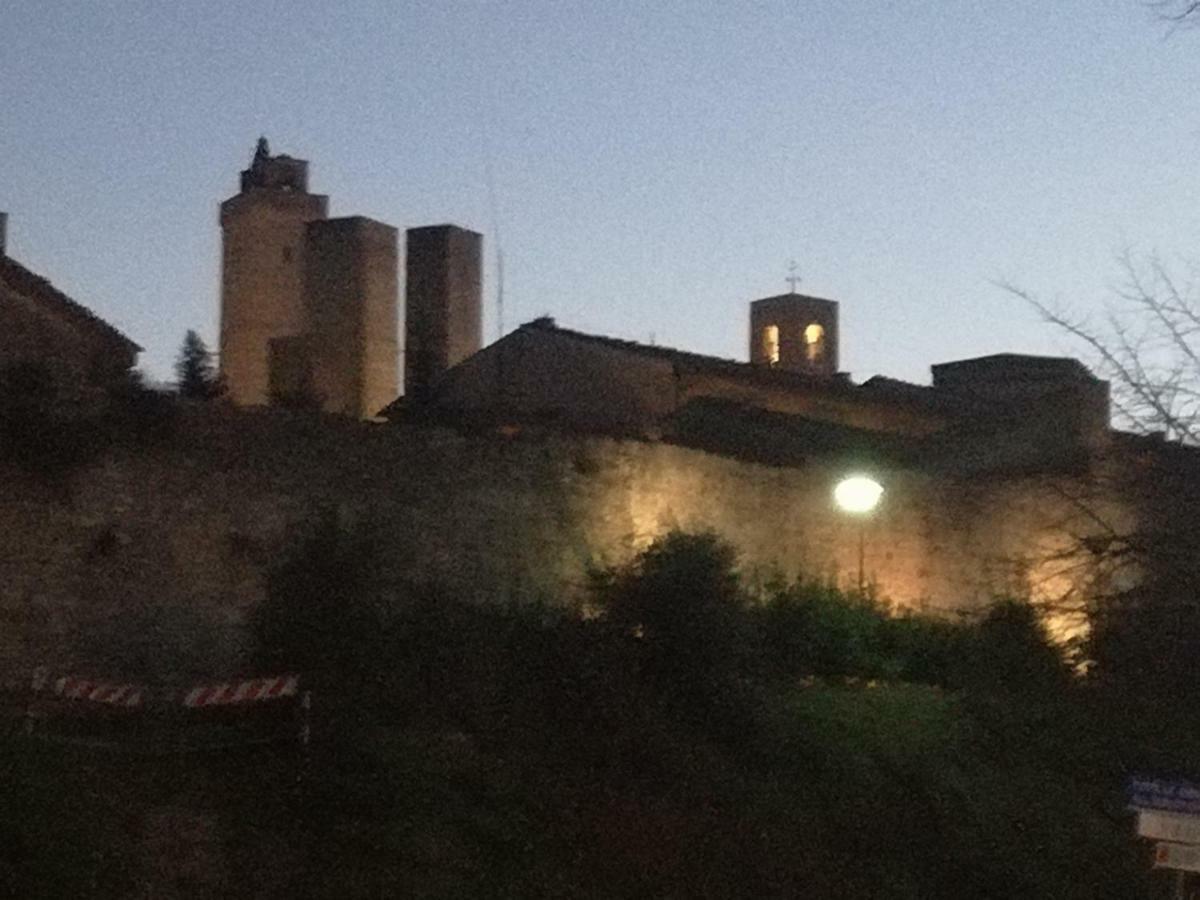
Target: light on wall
[(859, 495)]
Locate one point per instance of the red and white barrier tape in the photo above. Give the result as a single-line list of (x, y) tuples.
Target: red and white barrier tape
[(249, 691), (127, 695)]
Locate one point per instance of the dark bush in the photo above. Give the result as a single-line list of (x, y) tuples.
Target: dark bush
[(1011, 651), (925, 649), (137, 416), (681, 600), (810, 628)]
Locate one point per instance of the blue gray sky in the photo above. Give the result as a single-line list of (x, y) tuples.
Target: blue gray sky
[(649, 168)]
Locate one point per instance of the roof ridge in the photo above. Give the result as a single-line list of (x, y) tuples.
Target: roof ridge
[(547, 323), (733, 366), (29, 282)]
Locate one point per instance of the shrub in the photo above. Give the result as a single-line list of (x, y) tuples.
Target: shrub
[(1011, 650), (810, 628), (926, 649), (139, 416), (682, 600)]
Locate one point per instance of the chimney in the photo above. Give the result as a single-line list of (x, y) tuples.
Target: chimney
[(3, 234)]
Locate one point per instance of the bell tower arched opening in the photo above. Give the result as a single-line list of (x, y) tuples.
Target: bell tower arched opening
[(795, 332)]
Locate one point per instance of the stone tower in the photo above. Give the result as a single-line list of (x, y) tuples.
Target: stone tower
[(351, 269), (308, 303), (263, 231), (443, 303), (795, 332)]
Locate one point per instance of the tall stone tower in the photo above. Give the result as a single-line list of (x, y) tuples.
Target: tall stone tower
[(263, 231), (795, 332), (351, 269), (308, 303), (443, 303)]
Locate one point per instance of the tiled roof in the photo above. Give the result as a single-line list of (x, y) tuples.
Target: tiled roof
[(699, 362), (31, 285)]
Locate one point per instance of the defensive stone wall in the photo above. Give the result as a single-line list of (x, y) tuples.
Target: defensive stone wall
[(172, 544)]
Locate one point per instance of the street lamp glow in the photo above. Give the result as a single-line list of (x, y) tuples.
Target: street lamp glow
[(857, 494)]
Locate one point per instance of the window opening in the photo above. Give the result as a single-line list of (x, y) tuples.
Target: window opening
[(770, 344), (814, 342)]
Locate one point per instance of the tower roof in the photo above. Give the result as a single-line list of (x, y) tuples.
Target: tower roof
[(789, 299)]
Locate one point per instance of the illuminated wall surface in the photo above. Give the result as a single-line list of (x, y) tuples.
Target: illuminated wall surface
[(190, 531)]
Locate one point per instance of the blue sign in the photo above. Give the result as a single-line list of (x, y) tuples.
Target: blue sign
[(1165, 794)]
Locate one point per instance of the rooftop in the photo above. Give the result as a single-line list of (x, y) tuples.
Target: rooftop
[(34, 286)]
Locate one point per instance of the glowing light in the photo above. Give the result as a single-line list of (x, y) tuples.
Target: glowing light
[(857, 494), (814, 335), (771, 344)]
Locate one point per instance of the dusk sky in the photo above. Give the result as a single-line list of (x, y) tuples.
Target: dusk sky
[(649, 168)]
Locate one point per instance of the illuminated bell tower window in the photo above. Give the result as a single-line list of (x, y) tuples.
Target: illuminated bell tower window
[(770, 344), (814, 342)]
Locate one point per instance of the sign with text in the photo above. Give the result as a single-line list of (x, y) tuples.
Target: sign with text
[(1177, 856), (1162, 794), (1168, 826)]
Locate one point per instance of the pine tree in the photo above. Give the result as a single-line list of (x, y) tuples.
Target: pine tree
[(195, 373)]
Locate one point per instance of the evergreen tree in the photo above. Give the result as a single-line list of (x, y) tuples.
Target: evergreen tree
[(195, 372)]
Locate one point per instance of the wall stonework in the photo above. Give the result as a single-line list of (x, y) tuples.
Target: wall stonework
[(187, 533)]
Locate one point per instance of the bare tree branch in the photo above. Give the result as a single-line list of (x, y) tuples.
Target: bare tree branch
[(1179, 10), (1149, 353)]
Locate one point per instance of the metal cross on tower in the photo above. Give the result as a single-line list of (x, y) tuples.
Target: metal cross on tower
[(793, 279)]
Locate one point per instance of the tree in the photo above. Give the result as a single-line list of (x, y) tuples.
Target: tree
[(1180, 12), (1148, 348), (195, 372), (1145, 623)]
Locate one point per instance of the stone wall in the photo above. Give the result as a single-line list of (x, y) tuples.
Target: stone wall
[(180, 537)]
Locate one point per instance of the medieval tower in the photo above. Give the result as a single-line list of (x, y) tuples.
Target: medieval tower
[(263, 232), (443, 312), (796, 333), (308, 304)]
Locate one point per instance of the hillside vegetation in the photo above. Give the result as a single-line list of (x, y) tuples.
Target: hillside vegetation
[(684, 739)]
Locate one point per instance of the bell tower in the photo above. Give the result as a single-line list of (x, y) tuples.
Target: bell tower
[(795, 332), (263, 232)]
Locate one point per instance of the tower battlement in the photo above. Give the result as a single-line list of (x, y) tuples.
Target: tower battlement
[(284, 173)]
